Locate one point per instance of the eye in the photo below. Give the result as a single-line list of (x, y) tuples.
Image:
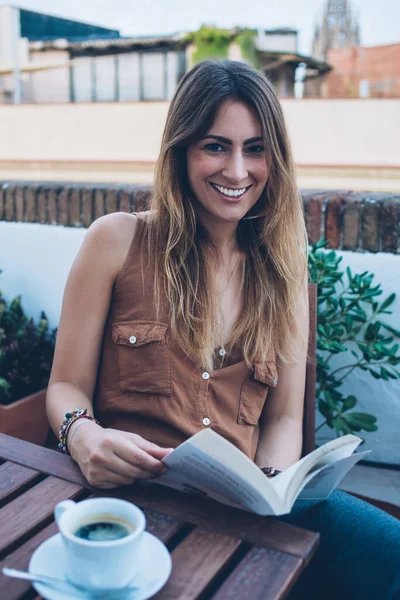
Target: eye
[(257, 149), (214, 147)]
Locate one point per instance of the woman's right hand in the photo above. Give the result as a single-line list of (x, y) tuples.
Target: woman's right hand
[(109, 458)]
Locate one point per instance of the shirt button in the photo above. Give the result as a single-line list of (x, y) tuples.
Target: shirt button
[(206, 421), (222, 352), (206, 375), (132, 339)]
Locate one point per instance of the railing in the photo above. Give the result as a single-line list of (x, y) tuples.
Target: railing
[(361, 222)]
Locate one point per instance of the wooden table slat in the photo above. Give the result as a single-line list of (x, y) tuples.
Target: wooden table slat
[(218, 552), (261, 531), (13, 589), (51, 462), (263, 574), (34, 507), (14, 478), (162, 526), (213, 516), (195, 562)]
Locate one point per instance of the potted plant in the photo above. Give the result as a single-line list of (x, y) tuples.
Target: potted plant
[(26, 354), (350, 323)]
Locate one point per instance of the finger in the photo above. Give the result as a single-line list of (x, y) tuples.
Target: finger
[(120, 467), (137, 457), (153, 449), (150, 447), (137, 473)]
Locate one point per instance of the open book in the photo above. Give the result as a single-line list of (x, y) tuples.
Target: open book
[(208, 465)]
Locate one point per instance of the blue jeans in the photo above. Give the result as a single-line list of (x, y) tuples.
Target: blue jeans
[(359, 553)]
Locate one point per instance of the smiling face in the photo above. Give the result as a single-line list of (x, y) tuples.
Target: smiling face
[(227, 168)]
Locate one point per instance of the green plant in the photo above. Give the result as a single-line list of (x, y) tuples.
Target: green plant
[(210, 42), (246, 40), (350, 324), (26, 352)]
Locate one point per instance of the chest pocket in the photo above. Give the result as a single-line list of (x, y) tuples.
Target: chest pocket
[(254, 392), (143, 357)]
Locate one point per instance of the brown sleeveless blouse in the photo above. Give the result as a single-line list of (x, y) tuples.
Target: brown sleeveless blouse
[(147, 385)]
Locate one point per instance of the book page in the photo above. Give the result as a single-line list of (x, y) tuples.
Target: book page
[(319, 484), (290, 481), (194, 471)]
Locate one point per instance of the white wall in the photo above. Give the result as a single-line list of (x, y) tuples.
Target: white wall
[(49, 85), (323, 132), (344, 132), (35, 260)]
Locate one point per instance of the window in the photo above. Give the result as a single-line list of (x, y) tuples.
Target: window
[(82, 80), (105, 78), (153, 74), (128, 77)]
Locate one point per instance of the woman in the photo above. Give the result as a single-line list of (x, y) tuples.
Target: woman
[(189, 315)]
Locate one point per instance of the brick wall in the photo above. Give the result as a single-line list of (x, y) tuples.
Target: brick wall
[(379, 65), (362, 221)]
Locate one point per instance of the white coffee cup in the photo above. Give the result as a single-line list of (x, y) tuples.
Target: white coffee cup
[(100, 564)]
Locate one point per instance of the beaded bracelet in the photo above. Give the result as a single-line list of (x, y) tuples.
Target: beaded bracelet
[(71, 417)]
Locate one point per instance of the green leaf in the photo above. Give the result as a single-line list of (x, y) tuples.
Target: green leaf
[(362, 420), (349, 402), (363, 417), (394, 360), (369, 334), (353, 426), (395, 332), (366, 350), (384, 374), (392, 374), (324, 409), (340, 424), (374, 373), (330, 400), (386, 303)]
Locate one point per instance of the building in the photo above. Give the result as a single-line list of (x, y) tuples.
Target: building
[(20, 29), (338, 30), (60, 60), (362, 72), (279, 59)]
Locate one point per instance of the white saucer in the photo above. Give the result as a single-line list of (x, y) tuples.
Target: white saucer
[(154, 567)]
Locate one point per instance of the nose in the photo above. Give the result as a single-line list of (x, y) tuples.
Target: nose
[(235, 169)]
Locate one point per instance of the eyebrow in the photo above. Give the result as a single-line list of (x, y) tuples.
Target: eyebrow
[(229, 142)]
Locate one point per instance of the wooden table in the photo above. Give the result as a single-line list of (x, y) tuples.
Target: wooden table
[(217, 552)]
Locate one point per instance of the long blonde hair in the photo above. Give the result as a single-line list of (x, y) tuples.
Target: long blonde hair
[(274, 240)]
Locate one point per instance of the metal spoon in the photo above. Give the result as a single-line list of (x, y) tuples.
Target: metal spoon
[(73, 589)]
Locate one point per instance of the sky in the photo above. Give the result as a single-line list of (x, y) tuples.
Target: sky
[(379, 20)]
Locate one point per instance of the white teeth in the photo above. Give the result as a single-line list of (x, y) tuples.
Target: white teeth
[(231, 193)]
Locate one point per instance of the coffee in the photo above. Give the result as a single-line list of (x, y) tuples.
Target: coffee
[(104, 528), (101, 539)]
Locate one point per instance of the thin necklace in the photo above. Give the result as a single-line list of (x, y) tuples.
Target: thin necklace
[(222, 351), (230, 278)]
